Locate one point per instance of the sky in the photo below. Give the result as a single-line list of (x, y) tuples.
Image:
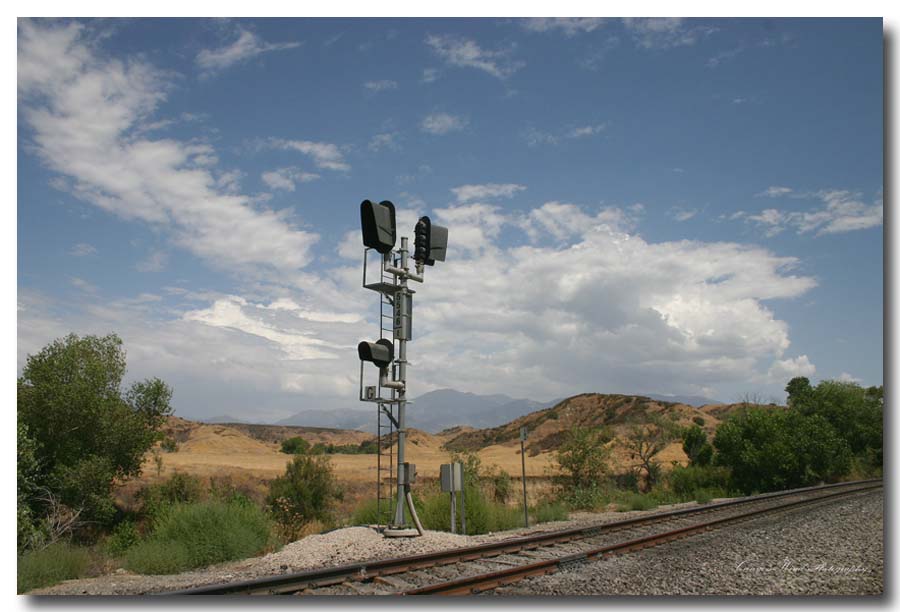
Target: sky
[(634, 205)]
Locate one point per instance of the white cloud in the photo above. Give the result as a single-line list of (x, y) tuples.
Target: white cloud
[(154, 262), (443, 123), (488, 191), (247, 46), (382, 85), (385, 140), (786, 369), (429, 75), (324, 154), (664, 32), (465, 53), (586, 130), (849, 378), (775, 192), (681, 214), (82, 249), (80, 110), (843, 211), (535, 137), (286, 179), (570, 26)]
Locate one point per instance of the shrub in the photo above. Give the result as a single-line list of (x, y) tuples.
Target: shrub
[(366, 513), (158, 557), (306, 492), (546, 511), (124, 536), (295, 446), (503, 487), (200, 534), (179, 488), (695, 445), (45, 567), (686, 482), (169, 444), (699, 420)]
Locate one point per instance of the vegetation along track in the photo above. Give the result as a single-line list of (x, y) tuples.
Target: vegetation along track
[(475, 569)]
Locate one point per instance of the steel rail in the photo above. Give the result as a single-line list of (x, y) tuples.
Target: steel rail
[(473, 585), (366, 570)]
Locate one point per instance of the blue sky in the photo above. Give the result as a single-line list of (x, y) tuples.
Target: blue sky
[(668, 206)]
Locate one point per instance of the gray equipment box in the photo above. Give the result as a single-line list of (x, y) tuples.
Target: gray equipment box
[(407, 475), (451, 477)]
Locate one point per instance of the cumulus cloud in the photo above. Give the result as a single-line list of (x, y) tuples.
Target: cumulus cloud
[(786, 369), (443, 123), (570, 26), (466, 53), (681, 214), (286, 179), (80, 109), (247, 46), (488, 191)]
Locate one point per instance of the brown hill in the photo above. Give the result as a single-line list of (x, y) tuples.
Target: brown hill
[(547, 428)]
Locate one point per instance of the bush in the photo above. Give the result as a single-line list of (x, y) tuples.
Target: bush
[(582, 458), (200, 534), (169, 444), (503, 487), (295, 446), (366, 513), (124, 536), (545, 512), (158, 557), (45, 567), (179, 488), (686, 482), (695, 445), (306, 492)]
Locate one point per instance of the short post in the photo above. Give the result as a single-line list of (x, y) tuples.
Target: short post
[(523, 435), (462, 496), (452, 482)]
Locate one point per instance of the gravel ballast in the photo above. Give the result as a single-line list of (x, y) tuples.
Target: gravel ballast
[(836, 548)]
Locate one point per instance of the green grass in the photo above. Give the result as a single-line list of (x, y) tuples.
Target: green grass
[(49, 566), (186, 536)]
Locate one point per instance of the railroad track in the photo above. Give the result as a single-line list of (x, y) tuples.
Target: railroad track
[(480, 568)]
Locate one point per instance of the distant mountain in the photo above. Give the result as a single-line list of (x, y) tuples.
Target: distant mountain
[(225, 418), (690, 400), (445, 408), (363, 420), (431, 412)]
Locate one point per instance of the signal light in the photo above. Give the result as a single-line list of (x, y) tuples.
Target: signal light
[(430, 242), (380, 352), (379, 225)]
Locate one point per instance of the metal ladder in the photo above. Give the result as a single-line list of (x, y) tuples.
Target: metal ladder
[(386, 484)]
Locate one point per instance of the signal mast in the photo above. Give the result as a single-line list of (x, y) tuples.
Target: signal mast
[(379, 230)]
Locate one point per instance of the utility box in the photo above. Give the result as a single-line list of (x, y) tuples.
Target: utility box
[(451, 477), (407, 475)]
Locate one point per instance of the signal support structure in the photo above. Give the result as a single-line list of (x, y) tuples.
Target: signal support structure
[(379, 233)]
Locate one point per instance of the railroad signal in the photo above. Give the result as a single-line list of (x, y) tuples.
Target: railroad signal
[(430, 242), (380, 352), (379, 225)]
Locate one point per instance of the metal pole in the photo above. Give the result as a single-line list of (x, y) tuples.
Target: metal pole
[(452, 505), (462, 495), (524, 486), (400, 336)]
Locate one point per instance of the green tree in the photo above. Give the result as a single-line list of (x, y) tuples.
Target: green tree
[(645, 441), (27, 475), (88, 435), (295, 446), (306, 492), (779, 449), (582, 458), (696, 446), (856, 412)]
